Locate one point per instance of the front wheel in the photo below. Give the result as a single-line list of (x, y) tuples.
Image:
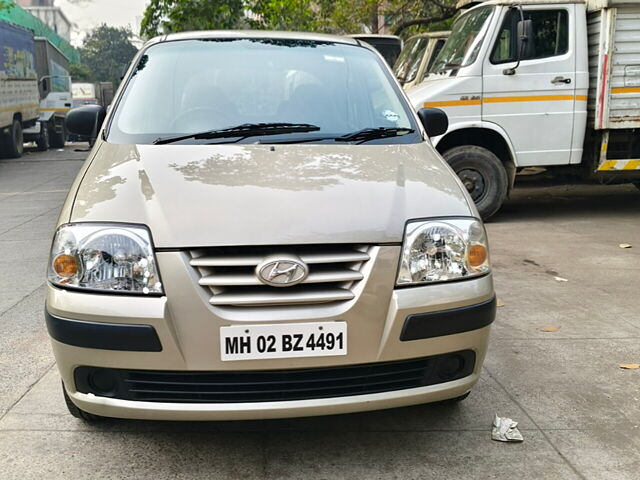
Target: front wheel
[(43, 139), (58, 138), (483, 175), (76, 412)]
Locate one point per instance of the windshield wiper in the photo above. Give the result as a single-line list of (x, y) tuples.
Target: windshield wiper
[(243, 131), (374, 133)]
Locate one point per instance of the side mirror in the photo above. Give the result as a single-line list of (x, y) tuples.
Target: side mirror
[(435, 121), (45, 84), (86, 121), (525, 39)]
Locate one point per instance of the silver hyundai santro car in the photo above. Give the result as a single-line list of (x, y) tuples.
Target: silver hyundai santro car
[(264, 230)]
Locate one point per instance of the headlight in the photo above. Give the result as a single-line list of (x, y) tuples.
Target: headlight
[(441, 250), (113, 258)]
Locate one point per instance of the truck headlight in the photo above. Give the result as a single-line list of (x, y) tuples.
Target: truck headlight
[(104, 257), (442, 250)]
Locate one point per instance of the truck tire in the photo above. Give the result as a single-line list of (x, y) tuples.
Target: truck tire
[(13, 140), (483, 174), (58, 139), (76, 412), (43, 139)]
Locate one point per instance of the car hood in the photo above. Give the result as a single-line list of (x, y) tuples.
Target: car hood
[(215, 195)]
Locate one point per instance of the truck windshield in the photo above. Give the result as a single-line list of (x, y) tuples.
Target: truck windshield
[(183, 87), (462, 47), (408, 63)]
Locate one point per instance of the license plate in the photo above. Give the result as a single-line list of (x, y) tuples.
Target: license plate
[(288, 340)]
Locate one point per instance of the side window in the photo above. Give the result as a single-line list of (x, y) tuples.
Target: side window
[(550, 35), (434, 54)]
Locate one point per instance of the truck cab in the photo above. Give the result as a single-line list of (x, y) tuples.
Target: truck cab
[(525, 82)]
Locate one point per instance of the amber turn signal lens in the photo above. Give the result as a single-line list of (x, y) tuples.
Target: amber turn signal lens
[(477, 255), (65, 265)]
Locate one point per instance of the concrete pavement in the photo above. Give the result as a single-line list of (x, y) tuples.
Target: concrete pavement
[(578, 411)]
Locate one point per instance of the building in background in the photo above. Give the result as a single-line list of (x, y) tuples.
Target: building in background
[(50, 15)]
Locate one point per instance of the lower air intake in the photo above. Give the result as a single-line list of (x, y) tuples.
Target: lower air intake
[(273, 385)]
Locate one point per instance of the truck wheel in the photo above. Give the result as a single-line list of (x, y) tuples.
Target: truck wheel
[(58, 139), (76, 412), (483, 174), (43, 139), (13, 141)]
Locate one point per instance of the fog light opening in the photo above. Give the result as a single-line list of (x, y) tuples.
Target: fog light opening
[(450, 367), (102, 382)]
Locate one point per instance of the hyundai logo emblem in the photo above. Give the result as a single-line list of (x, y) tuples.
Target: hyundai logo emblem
[(282, 271)]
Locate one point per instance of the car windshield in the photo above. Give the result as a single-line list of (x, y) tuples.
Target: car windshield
[(463, 45), (408, 63), (189, 86)]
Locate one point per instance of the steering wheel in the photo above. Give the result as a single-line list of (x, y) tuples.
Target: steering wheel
[(202, 118)]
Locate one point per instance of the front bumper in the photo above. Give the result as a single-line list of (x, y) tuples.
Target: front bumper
[(187, 329), (111, 407)]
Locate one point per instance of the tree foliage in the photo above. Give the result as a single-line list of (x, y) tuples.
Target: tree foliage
[(167, 16), (329, 16), (80, 72), (104, 53)]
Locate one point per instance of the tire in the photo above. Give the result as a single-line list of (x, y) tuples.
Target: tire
[(43, 139), (57, 140), (13, 140), (483, 174), (453, 401), (76, 412)]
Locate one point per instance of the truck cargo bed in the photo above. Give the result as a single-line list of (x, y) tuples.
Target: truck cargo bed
[(614, 64)]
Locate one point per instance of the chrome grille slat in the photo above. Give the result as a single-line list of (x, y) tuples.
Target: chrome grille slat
[(277, 298), (229, 274), (250, 279), (253, 260)]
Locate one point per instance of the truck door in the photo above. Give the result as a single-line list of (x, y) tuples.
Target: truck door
[(534, 104)]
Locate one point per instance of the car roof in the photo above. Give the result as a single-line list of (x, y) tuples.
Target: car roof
[(277, 35)]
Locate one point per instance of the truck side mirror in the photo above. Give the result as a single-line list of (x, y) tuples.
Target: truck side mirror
[(434, 120), (45, 84), (525, 39), (86, 121)]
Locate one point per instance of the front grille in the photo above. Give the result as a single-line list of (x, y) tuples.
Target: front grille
[(273, 385), (229, 273)]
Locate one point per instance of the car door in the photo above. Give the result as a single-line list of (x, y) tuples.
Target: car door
[(533, 101)]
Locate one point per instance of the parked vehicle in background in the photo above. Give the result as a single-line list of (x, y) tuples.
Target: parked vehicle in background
[(55, 96), (538, 83), (19, 96), (389, 46), (97, 93), (417, 56)]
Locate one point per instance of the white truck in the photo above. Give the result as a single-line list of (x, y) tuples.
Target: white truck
[(55, 96), (417, 56), (18, 87), (545, 83), (97, 93)]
